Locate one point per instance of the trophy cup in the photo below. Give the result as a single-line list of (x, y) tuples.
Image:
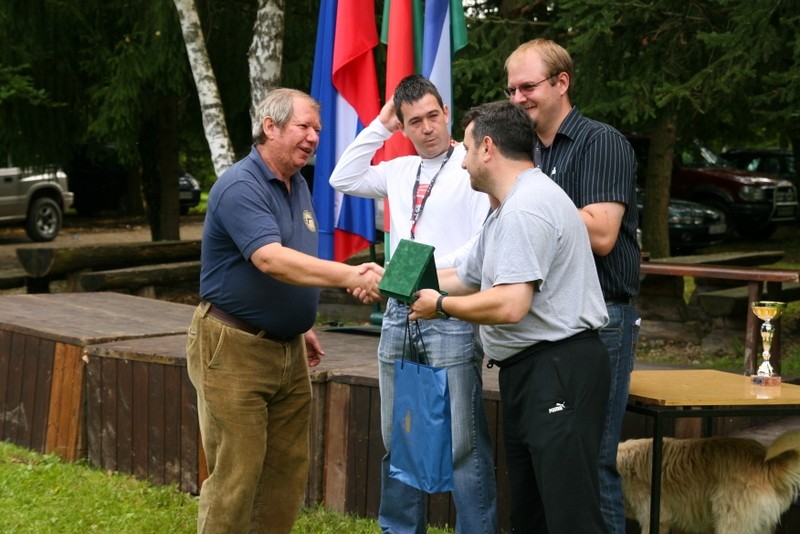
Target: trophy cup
[(767, 311)]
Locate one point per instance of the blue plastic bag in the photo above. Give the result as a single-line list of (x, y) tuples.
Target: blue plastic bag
[(422, 441)]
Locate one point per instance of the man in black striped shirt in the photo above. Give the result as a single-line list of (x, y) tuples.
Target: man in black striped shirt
[(596, 166)]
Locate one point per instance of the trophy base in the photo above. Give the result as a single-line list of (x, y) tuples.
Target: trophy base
[(759, 380)]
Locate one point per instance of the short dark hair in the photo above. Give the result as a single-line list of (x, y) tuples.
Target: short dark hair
[(411, 89), (509, 126)]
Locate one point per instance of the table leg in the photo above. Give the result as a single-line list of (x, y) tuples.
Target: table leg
[(655, 477), (708, 426)]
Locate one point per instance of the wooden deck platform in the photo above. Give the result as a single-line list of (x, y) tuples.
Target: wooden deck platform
[(103, 376), (43, 339), (141, 411)]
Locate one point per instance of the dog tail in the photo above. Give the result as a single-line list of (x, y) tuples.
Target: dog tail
[(787, 443)]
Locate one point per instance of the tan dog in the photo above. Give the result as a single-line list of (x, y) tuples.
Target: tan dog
[(720, 484)]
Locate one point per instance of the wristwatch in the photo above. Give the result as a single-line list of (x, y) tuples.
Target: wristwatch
[(439, 311)]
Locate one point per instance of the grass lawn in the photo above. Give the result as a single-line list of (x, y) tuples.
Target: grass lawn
[(41, 494)]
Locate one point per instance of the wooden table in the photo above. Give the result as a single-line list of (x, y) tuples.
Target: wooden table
[(673, 394)]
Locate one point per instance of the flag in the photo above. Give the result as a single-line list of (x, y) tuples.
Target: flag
[(412, 47), (345, 82), (445, 33), (402, 34)]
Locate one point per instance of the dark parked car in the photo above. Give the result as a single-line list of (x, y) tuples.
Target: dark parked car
[(753, 203), (691, 225), (773, 161), (188, 192)]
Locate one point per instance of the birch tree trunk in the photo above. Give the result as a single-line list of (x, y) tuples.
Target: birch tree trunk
[(266, 51), (216, 130)]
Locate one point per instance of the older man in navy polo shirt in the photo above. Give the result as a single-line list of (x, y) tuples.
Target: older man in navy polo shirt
[(250, 342)]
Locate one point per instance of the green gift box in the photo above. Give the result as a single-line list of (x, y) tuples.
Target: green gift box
[(410, 269)]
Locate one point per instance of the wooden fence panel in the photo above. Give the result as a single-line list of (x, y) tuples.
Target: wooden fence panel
[(16, 419), (147, 411), (6, 412), (65, 434)]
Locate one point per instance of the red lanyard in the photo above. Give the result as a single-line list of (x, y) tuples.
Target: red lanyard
[(416, 210)]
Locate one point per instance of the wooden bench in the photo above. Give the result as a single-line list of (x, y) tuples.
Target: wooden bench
[(740, 259), (735, 299), (12, 278), (733, 259), (115, 266), (755, 280), (140, 278)]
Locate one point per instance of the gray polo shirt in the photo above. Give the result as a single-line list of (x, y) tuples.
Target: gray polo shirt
[(536, 235)]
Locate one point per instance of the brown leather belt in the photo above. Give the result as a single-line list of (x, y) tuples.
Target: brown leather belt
[(233, 321)]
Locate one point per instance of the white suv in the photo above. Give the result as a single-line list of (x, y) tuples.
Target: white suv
[(37, 199)]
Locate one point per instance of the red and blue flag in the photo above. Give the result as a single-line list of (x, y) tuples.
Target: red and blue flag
[(345, 82)]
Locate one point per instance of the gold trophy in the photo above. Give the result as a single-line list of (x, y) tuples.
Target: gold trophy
[(767, 311)]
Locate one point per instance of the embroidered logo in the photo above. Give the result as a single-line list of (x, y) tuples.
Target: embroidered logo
[(557, 408), (309, 220)]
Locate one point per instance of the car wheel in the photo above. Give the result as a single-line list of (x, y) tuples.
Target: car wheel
[(44, 219)]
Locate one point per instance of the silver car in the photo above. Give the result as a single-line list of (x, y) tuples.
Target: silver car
[(35, 198)]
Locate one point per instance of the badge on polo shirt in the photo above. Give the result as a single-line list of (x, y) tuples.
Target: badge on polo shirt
[(308, 218)]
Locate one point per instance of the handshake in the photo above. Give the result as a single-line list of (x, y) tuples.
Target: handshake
[(364, 283)]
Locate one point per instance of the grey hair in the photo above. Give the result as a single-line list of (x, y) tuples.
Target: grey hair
[(278, 104)]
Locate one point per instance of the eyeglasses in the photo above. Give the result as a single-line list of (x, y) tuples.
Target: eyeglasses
[(525, 88)]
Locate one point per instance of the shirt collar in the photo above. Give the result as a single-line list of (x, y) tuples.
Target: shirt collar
[(570, 125), (267, 174)]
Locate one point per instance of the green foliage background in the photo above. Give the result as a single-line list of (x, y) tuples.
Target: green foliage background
[(102, 70)]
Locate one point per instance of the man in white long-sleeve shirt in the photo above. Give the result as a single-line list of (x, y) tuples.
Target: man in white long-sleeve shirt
[(430, 201)]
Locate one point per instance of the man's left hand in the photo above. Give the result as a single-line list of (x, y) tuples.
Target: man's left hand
[(424, 307), (314, 350)]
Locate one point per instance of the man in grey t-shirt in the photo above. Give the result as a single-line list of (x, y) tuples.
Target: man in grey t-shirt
[(532, 284)]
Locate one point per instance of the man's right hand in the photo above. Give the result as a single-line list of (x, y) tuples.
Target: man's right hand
[(388, 117), (365, 287)]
